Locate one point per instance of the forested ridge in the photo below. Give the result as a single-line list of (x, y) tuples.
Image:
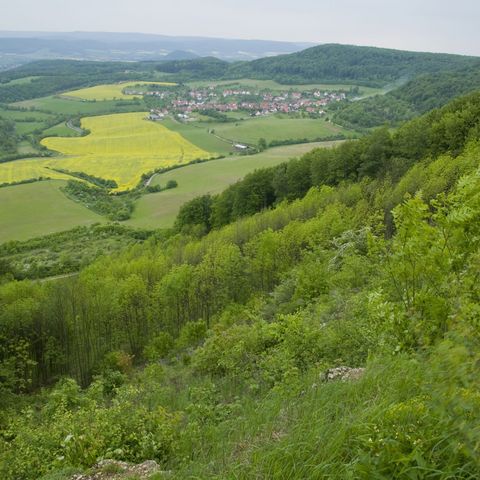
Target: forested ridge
[(54, 76), (206, 351), (329, 63), (417, 96)]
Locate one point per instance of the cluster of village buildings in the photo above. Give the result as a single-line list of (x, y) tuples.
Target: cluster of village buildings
[(233, 100)]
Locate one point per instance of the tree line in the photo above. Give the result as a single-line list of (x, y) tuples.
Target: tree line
[(380, 154), (417, 96)]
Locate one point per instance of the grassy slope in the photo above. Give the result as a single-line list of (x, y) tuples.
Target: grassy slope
[(36, 120), (275, 128), (199, 136), (160, 209), (61, 130), (19, 81), (77, 107), (272, 85), (16, 115), (39, 209)]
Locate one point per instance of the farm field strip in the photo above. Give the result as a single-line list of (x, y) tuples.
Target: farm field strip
[(273, 85), (275, 128), (159, 210), (28, 168), (110, 91), (40, 208), (76, 106)]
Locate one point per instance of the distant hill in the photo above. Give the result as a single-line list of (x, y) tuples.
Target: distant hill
[(417, 96), (207, 68), (180, 55), (436, 77), (350, 64), (17, 48), (333, 63)]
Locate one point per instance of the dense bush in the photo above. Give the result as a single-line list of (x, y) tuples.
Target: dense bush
[(8, 137), (98, 199)]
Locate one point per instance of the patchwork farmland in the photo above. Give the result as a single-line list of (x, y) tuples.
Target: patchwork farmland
[(120, 147), (111, 91), (131, 129)]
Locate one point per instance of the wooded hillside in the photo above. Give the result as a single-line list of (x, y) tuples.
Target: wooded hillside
[(208, 352)]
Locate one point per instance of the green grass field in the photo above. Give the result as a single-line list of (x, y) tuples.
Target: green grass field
[(197, 133), (26, 121), (160, 209), (26, 148), (60, 130), (79, 107), (39, 208), (16, 115), (272, 85), (19, 81), (274, 127)]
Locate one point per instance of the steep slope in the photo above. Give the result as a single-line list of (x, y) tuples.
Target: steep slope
[(238, 327)]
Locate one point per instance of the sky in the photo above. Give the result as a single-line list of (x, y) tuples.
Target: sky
[(422, 25)]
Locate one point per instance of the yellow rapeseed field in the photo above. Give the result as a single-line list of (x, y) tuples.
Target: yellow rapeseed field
[(111, 91), (121, 147), (29, 168)]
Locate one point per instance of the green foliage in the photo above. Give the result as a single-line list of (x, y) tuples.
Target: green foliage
[(114, 207), (8, 137), (66, 252), (195, 69), (159, 347), (54, 76), (195, 212), (417, 96), (330, 63), (375, 111), (85, 428), (171, 184), (99, 182), (241, 324), (377, 155)]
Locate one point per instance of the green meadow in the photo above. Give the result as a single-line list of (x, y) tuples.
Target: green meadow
[(275, 127), (160, 209), (39, 208), (198, 134), (66, 106), (272, 85)]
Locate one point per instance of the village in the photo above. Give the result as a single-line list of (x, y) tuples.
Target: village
[(183, 102)]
